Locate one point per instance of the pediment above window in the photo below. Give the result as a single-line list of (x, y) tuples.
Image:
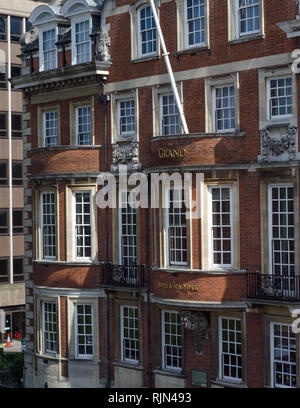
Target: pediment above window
[(76, 7), (44, 15)]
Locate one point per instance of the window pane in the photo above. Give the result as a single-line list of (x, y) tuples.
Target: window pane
[(17, 173), (3, 125)]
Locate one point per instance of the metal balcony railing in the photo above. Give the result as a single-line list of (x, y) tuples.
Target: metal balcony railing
[(273, 287), (126, 276)]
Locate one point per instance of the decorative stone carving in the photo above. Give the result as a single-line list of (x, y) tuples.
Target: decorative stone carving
[(298, 4), (102, 45), (125, 153), (277, 146), (29, 38), (197, 324)]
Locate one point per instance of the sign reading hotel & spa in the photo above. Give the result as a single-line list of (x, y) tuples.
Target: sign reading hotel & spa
[(178, 286)]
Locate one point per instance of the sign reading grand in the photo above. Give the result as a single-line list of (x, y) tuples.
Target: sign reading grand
[(178, 153)]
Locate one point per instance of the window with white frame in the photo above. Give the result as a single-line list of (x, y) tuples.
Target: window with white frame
[(83, 125), (172, 340), (82, 42), (176, 228), (221, 226), (50, 128), (130, 339), (224, 108), (147, 35), (126, 117), (248, 16), (48, 225), (83, 227), (280, 99), (282, 236), (127, 230), (195, 15), (84, 331), (230, 348), (49, 310), (169, 116), (49, 56), (283, 356)]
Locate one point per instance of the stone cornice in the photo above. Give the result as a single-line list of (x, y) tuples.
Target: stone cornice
[(65, 77)]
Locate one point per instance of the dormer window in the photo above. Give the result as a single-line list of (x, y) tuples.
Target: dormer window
[(47, 46), (81, 42), (49, 53)]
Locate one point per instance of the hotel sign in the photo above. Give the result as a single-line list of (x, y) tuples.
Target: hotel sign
[(178, 286), (178, 153)]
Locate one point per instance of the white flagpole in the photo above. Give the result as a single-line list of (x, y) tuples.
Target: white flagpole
[(171, 75)]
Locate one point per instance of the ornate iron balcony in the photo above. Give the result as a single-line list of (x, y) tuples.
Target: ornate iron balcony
[(273, 287), (125, 276)]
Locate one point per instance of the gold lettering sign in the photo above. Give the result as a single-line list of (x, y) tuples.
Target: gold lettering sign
[(178, 286), (179, 153)]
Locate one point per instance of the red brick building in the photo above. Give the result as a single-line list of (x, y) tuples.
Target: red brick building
[(126, 297)]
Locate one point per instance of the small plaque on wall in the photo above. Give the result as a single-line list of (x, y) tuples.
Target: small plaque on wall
[(199, 378)]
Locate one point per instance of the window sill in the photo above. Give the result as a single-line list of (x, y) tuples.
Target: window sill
[(169, 373), (126, 364), (125, 139), (197, 136), (246, 38), (145, 59), (201, 271), (67, 263), (193, 50), (277, 123), (66, 147), (229, 384)]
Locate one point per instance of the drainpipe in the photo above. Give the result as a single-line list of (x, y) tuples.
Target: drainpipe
[(148, 306), (9, 127), (169, 68), (103, 98)]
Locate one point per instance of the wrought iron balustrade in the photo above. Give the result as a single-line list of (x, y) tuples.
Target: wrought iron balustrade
[(273, 287), (127, 276)]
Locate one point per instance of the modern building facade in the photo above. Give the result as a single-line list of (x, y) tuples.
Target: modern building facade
[(133, 297), (13, 23)]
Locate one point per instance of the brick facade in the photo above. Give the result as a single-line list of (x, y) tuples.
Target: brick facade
[(210, 292)]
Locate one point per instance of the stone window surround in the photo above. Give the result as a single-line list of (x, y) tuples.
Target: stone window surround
[(41, 111), (211, 83), (267, 320), (116, 213), (134, 28), (215, 319), (264, 75), (233, 26), (163, 222), (182, 37), (71, 302), (264, 205), (70, 189), (73, 119), (158, 357), (117, 313), (43, 28), (39, 325), (157, 91), (205, 230), (115, 98), (79, 19), (37, 234)]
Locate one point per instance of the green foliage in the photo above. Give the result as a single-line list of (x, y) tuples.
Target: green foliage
[(11, 360)]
